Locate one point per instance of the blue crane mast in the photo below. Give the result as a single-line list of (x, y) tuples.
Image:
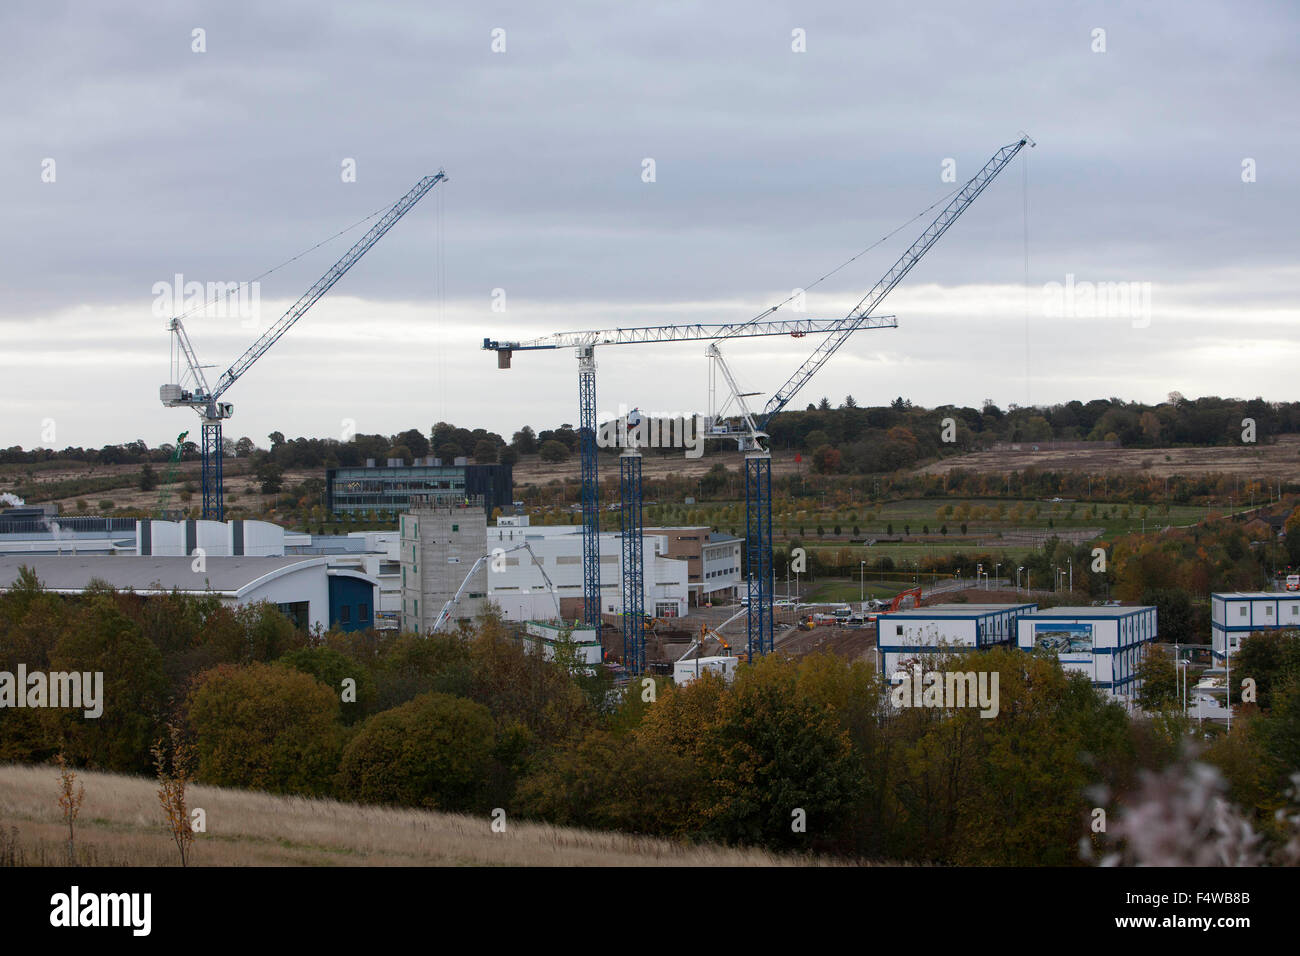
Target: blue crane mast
[(758, 460), (585, 342), (189, 386)]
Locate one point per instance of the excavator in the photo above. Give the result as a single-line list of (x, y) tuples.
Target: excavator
[(900, 601)]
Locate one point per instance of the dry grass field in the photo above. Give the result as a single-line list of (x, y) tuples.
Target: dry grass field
[(121, 824), (1277, 461)]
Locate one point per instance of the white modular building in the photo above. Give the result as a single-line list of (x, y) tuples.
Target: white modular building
[(545, 636), (1104, 643), (905, 636), (1235, 615)]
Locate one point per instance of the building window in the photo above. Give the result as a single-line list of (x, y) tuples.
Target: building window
[(345, 614), (363, 612)]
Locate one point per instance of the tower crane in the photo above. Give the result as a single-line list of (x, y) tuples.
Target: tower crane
[(758, 460), (188, 386), (584, 343)]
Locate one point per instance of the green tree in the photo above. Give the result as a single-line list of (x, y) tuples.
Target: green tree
[(333, 669), (433, 751), (553, 452), (265, 727), (1158, 681), (100, 639)]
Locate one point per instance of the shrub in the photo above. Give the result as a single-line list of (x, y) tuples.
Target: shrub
[(434, 751), (266, 727)]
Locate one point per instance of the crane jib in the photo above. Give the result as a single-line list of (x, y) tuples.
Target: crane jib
[(326, 282), (959, 204)]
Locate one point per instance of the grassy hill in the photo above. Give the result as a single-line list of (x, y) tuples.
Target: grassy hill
[(121, 824)]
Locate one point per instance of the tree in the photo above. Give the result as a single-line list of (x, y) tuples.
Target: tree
[(524, 441), (826, 460), (271, 477), (613, 782), (1174, 614), (332, 668), (1157, 675), (433, 751), (265, 727), (485, 452), (101, 639), (553, 452), (1271, 659), (148, 478)]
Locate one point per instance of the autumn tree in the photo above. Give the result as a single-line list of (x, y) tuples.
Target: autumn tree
[(265, 727), (433, 752)]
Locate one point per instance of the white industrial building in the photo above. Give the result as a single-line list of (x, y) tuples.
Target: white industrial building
[(363, 560), (1105, 643), (298, 586), (517, 585), (905, 636), (1235, 615)]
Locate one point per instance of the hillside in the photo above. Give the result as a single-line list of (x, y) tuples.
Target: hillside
[(121, 825), (1280, 460)]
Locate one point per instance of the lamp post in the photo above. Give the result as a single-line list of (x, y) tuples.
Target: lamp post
[(997, 568), (862, 583)]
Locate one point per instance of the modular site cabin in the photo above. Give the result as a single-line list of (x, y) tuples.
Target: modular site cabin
[(1103, 643)]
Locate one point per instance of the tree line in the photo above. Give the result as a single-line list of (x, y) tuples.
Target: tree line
[(802, 756)]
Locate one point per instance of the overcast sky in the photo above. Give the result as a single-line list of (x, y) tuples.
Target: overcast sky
[(771, 167)]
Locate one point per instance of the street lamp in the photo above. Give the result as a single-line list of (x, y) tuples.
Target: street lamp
[(1018, 570), (997, 568), (862, 584)]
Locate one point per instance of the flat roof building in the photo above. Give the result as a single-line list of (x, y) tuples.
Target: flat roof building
[(903, 636), (1234, 615), (1105, 643), (391, 487)]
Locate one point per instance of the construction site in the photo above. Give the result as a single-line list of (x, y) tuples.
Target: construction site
[(631, 596)]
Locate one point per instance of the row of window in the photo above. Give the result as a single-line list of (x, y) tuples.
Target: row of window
[(363, 614)]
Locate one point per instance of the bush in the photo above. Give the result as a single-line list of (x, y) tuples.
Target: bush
[(434, 751), (553, 452), (332, 668), (266, 727)]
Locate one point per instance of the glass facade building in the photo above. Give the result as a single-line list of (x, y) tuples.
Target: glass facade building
[(391, 487)]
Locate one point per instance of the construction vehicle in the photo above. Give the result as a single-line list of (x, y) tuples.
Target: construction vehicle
[(188, 386), (444, 615), (724, 663), (899, 602), (165, 489)]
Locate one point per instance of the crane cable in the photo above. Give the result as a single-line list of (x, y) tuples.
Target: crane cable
[(205, 305), (766, 312)]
